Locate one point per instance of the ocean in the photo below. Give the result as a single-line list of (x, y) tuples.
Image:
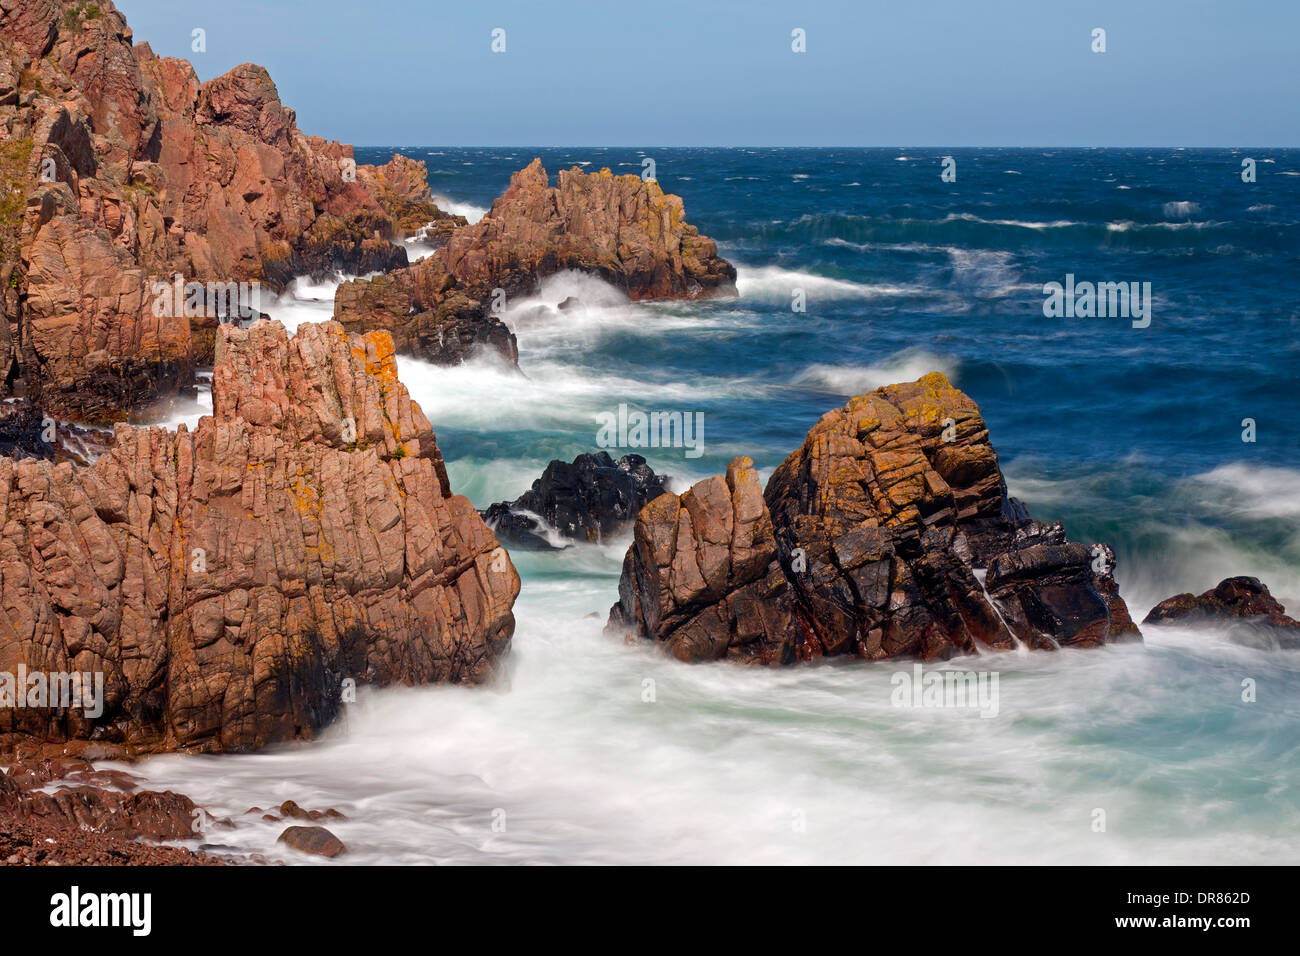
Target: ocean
[(594, 750)]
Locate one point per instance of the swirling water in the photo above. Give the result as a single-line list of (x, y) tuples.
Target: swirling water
[(592, 750)]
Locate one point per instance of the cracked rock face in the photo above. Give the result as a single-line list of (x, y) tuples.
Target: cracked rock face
[(228, 581), (128, 171), (625, 230), (888, 534)]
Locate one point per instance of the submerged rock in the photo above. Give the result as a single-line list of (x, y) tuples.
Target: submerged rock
[(888, 534), (590, 499), (1242, 606), (625, 230), (223, 584)]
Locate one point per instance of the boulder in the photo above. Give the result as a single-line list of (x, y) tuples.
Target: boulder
[(314, 840), (888, 534), (226, 583), (1242, 606), (589, 499)]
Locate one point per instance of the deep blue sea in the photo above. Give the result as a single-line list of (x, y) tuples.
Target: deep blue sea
[(1129, 435)]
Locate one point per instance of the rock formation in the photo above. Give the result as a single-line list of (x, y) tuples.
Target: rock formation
[(590, 499), (1243, 606), (625, 230), (888, 534), (119, 169), (226, 582)]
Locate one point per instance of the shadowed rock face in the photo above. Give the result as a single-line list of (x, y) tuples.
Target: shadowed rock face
[(588, 499), (620, 228), (130, 171), (872, 540), (226, 581), (1243, 605)]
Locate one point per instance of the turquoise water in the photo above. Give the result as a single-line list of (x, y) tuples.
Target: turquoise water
[(1129, 435)]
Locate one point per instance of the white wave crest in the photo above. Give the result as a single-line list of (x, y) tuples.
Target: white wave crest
[(774, 284), (851, 380), (471, 212)]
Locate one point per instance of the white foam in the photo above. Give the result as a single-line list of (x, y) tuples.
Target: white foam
[(470, 211), (774, 284), (1255, 490), (852, 380), (569, 761)]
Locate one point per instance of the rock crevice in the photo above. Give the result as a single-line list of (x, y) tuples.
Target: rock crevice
[(227, 581)]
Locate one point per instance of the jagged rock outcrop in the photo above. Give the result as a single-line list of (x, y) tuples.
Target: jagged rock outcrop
[(589, 499), (226, 582), (888, 534), (119, 169), (627, 231), (1242, 606)]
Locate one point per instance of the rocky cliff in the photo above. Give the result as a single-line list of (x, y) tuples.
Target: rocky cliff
[(888, 534), (227, 582), (119, 168), (627, 231)]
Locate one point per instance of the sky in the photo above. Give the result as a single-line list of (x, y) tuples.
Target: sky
[(723, 72)]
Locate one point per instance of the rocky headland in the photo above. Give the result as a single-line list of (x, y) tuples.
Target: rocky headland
[(121, 170), (623, 229)]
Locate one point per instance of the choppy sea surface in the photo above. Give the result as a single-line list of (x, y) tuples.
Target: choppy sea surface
[(592, 750)]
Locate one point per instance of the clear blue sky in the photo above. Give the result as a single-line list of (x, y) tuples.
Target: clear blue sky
[(721, 72)]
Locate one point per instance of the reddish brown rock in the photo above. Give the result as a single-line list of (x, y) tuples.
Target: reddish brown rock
[(1243, 605), (227, 581), (314, 840), (62, 810), (625, 230), (128, 170), (871, 540), (99, 807), (41, 841)]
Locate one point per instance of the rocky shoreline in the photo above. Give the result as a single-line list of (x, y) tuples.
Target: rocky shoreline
[(227, 587)]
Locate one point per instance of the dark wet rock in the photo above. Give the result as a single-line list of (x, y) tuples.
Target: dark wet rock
[(589, 499), (888, 534), (1242, 606)]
